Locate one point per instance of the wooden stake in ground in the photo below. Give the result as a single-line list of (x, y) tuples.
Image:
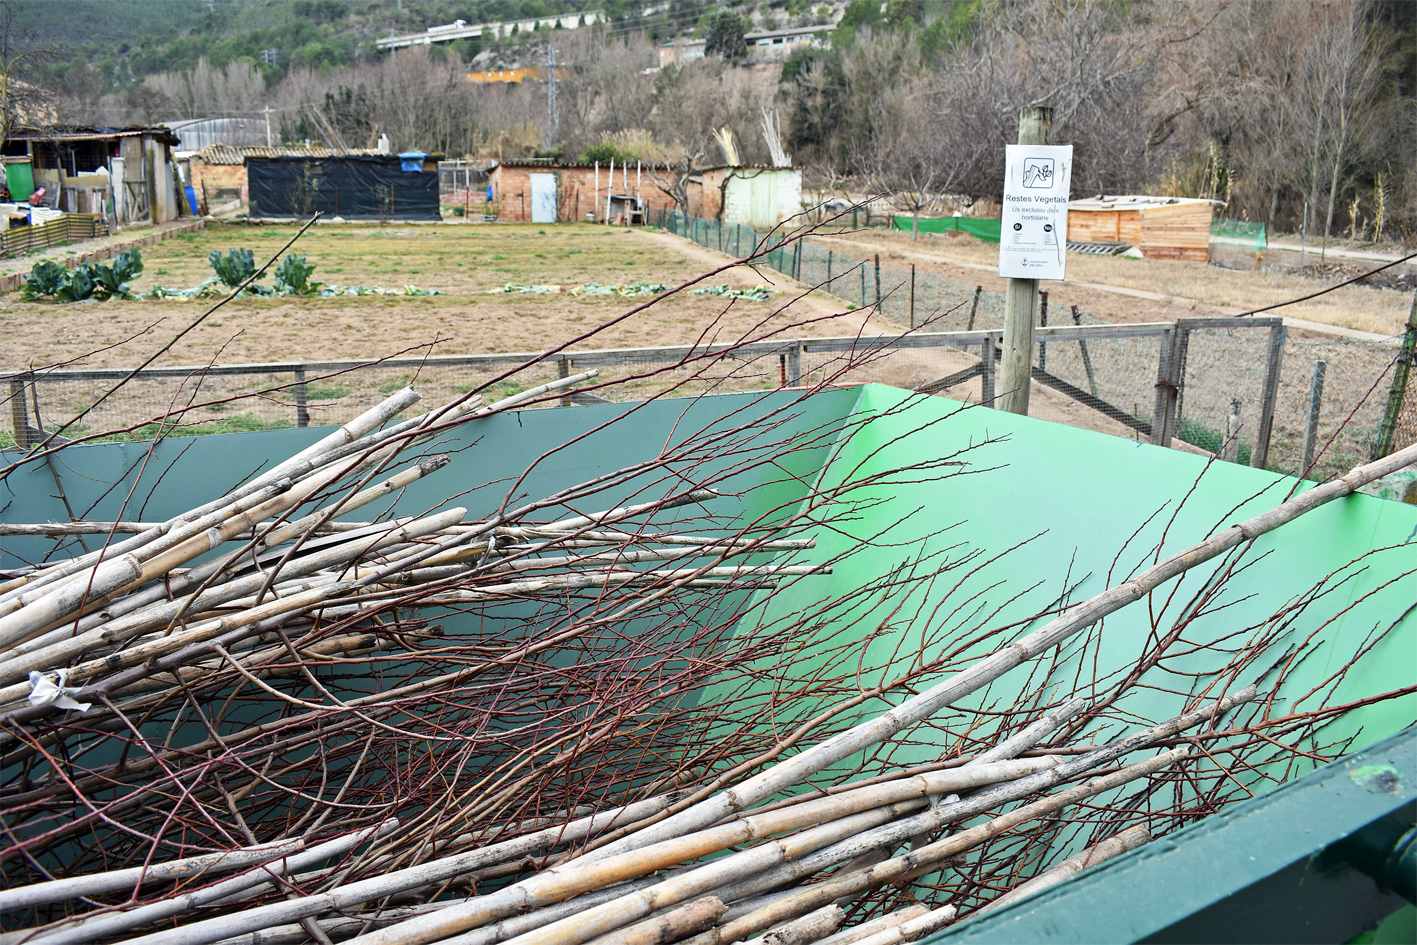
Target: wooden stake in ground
[(1021, 297)]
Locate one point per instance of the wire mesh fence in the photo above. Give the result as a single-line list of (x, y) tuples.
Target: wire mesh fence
[(1227, 374), (1209, 382)]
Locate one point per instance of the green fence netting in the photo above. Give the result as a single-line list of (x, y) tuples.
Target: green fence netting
[(986, 230), (1238, 232)]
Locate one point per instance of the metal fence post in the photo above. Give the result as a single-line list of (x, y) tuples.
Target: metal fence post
[(302, 413), (1271, 394), (1398, 395), (986, 377), (1311, 429), (19, 412), (912, 295), (878, 279)]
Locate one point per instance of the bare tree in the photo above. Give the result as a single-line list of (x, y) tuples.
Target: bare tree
[(1341, 70), (21, 102), (912, 158)]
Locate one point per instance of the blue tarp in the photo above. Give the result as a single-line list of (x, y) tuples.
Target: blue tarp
[(412, 160)]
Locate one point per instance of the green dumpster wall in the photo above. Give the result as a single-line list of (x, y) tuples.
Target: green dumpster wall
[(1084, 509), (1073, 501)]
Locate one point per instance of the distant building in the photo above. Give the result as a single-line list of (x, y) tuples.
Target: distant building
[(779, 44), (681, 51), (193, 134), (218, 172), (534, 73), (757, 196), (87, 170), (542, 192), (762, 47)]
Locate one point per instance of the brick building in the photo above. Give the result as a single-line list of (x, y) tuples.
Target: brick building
[(540, 192), (218, 172)]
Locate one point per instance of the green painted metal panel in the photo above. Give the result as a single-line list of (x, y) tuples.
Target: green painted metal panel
[(1076, 511), (109, 481), (1074, 503), (1285, 867)]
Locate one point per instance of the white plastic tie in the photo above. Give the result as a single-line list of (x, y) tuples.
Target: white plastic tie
[(43, 692)]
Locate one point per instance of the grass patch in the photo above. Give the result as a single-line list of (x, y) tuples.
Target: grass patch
[(1207, 438), (326, 393), (496, 392), (398, 383), (237, 423)]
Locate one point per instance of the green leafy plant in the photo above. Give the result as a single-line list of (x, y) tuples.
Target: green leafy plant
[(81, 285), (113, 281), (293, 276), (46, 278), (235, 267)]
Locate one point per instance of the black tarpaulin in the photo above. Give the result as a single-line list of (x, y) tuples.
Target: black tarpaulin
[(354, 187)]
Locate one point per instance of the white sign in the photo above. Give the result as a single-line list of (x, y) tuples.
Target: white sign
[(1033, 241)]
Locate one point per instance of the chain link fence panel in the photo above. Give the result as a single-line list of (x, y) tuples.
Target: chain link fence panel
[(1226, 370)]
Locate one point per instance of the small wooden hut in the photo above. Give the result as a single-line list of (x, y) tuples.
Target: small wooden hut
[(1161, 227)]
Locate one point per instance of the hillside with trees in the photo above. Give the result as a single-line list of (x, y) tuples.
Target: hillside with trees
[(1269, 105)]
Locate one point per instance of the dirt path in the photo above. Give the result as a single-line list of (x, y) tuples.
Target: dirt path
[(1120, 289)]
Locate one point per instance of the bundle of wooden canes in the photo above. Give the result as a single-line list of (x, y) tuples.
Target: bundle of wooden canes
[(292, 710)]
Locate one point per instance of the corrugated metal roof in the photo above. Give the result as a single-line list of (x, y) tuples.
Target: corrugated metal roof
[(226, 154), (78, 133), (1134, 202)]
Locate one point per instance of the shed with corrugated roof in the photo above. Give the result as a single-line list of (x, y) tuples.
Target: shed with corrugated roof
[(1161, 227)]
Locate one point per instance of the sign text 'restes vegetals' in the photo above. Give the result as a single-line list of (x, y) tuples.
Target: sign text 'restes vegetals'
[(1033, 242)]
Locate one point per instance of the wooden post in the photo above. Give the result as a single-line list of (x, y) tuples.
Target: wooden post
[(1043, 323), (829, 270), (1396, 397), (563, 370), (912, 295), (1021, 297), (1270, 395), (302, 413), (973, 309), (878, 278), (1087, 359), (1311, 429), (986, 379), (19, 413)]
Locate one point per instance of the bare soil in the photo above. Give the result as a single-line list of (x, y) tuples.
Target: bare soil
[(1103, 286), (466, 264)]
